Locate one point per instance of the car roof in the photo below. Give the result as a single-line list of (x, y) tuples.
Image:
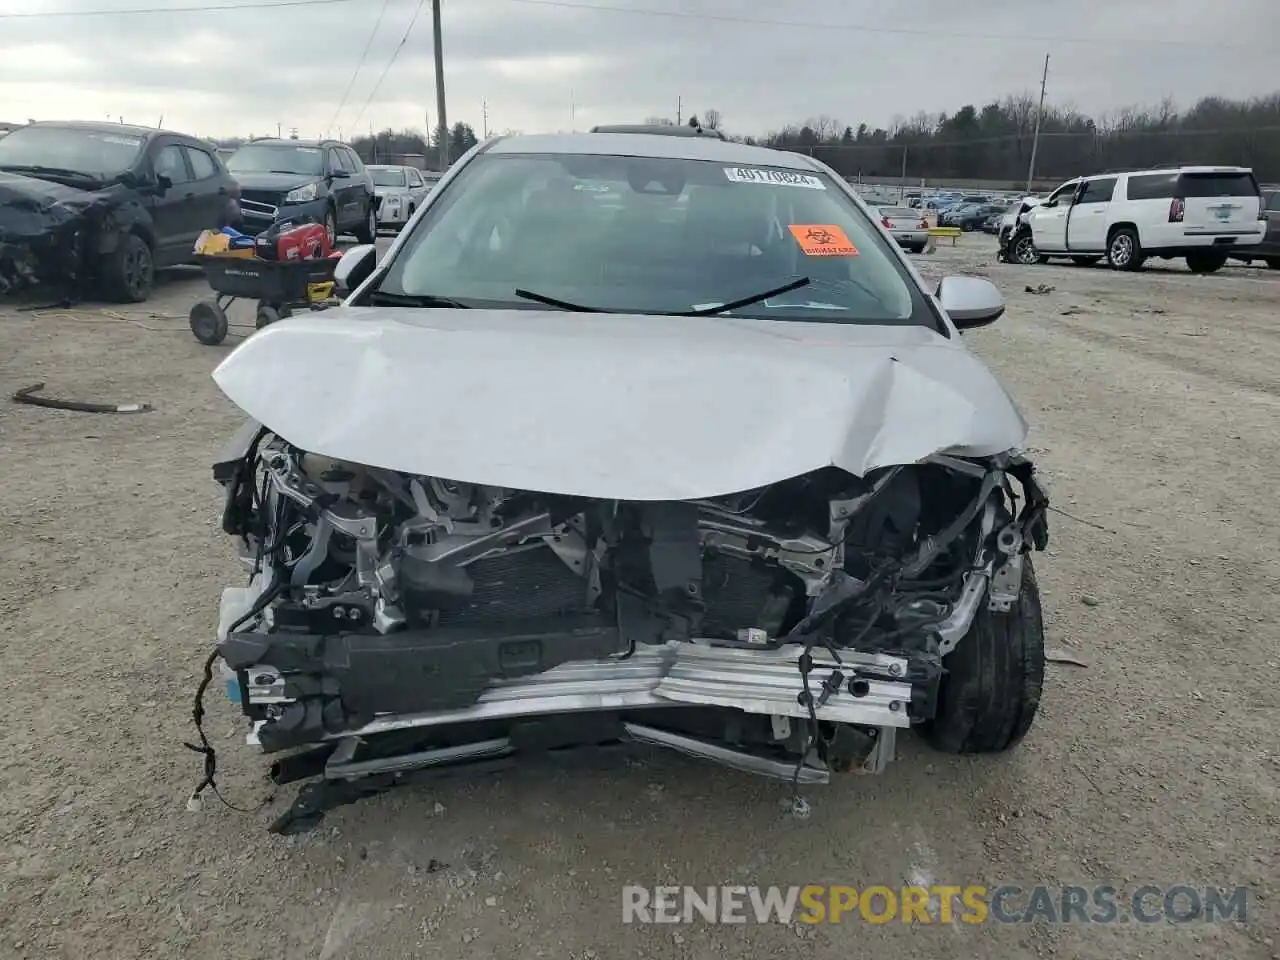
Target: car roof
[(653, 145), (295, 143), (1191, 168), (106, 126)]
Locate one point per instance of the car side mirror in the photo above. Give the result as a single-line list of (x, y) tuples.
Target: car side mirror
[(340, 175), (970, 301), (354, 268), (163, 184)]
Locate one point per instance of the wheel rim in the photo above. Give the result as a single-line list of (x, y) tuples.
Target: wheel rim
[(1121, 249), (137, 265), (1025, 251)]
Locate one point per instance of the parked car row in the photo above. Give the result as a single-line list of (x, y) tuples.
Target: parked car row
[(101, 206)]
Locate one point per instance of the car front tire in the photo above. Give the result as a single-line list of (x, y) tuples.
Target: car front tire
[(128, 272), (990, 693), (331, 227), (368, 231)]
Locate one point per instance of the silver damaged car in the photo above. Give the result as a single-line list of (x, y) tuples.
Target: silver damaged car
[(629, 439)]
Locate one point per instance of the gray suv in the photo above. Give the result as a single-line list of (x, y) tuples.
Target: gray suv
[(323, 180)]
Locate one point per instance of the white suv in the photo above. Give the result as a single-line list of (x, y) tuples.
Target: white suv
[(1201, 213)]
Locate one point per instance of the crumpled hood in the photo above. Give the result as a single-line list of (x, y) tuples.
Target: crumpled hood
[(280, 183), (613, 406), (39, 224), (18, 190)]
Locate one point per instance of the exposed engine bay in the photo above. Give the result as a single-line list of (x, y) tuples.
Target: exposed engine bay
[(400, 622)]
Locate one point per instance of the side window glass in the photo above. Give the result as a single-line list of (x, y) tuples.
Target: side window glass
[(1099, 191), (354, 163), (171, 163), (414, 179), (202, 164), (1273, 201), (1064, 193), (335, 160)]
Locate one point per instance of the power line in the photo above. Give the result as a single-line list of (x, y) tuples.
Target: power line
[(385, 70), (363, 55), (674, 14), (862, 28)]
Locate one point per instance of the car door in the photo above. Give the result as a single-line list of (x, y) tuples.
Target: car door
[(1087, 219), (362, 181), (417, 187), (174, 214), (341, 188), (1049, 220), (210, 187), (1272, 241)]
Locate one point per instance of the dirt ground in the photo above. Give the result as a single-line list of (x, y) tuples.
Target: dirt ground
[(1154, 400)]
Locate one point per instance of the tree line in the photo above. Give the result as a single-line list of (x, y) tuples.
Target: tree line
[(994, 141)]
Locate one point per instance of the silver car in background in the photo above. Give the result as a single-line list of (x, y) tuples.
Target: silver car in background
[(400, 191), (907, 225)]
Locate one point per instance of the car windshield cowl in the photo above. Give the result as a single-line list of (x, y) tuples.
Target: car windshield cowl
[(600, 233)]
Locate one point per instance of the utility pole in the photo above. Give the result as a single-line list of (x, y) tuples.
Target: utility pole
[(679, 110), (573, 112), (444, 123), (484, 116), (277, 129), (1035, 138), (902, 182)]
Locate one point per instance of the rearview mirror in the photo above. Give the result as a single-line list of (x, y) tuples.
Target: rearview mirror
[(970, 301), (354, 268)]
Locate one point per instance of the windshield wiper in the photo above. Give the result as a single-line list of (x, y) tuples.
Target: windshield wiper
[(56, 171), (553, 302), (380, 298), (703, 312), (745, 301)]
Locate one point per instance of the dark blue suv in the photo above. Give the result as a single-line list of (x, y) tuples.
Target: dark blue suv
[(323, 180)]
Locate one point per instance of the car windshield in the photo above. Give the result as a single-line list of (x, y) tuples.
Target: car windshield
[(95, 153), (387, 176), (277, 158), (649, 235)]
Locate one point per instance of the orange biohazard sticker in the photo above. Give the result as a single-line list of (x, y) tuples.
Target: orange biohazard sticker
[(823, 240)]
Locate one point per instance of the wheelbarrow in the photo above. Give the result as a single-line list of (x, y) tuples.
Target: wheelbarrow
[(279, 286)]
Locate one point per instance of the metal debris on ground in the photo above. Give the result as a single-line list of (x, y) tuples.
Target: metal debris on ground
[(1040, 288), (1063, 655), (28, 395)]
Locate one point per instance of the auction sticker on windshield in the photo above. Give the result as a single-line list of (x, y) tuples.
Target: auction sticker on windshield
[(778, 177), (123, 141), (823, 240)]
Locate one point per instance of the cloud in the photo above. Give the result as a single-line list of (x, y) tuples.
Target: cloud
[(542, 65)]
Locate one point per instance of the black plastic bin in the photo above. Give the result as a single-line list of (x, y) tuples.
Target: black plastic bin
[(277, 285)]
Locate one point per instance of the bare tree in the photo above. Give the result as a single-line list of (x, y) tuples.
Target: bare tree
[(712, 119)]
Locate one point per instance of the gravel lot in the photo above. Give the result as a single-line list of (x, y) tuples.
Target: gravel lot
[(1154, 401)]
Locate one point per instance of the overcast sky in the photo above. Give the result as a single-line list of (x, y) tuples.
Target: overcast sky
[(548, 65)]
